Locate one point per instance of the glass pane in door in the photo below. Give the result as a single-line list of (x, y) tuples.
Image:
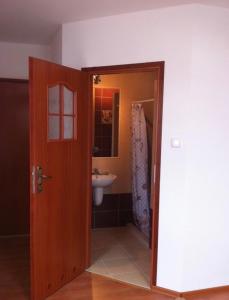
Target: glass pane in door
[(54, 99), (68, 127), (68, 101), (53, 127)]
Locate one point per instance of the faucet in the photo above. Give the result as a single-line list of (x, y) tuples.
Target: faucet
[(95, 171)]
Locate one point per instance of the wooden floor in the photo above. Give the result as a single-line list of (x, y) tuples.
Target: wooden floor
[(14, 281), (95, 287), (14, 269)]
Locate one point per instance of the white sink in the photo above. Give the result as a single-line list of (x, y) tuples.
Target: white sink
[(102, 180), (99, 182)]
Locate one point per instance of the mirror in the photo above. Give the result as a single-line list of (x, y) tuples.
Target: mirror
[(106, 122)]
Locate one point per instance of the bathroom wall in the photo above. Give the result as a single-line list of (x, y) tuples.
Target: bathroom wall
[(102, 136), (133, 87), (115, 211)]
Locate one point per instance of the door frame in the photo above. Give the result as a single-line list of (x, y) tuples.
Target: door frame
[(157, 136)]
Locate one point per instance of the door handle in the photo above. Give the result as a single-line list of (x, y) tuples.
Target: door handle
[(46, 176), (40, 178)]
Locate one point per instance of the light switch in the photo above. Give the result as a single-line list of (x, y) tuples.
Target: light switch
[(175, 143)]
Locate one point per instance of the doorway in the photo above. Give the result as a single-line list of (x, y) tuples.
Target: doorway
[(14, 178), (111, 226)]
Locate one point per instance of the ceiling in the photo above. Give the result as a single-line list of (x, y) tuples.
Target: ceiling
[(35, 21)]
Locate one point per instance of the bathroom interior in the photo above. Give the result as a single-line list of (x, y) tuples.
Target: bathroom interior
[(123, 112)]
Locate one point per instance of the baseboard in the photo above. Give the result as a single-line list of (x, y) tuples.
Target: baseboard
[(206, 292), (215, 291), (166, 292)]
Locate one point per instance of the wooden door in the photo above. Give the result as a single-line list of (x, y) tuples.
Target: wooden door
[(59, 156), (14, 158)]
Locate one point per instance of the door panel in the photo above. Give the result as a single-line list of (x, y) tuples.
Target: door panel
[(59, 145)]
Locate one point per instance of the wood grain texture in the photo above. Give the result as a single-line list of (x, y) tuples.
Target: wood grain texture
[(126, 68), (58, 214), (158, 69), (14, 158), (88, 195), (156, 161), (94, 287)]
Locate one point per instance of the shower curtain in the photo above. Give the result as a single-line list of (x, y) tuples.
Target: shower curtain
[(140, 188)]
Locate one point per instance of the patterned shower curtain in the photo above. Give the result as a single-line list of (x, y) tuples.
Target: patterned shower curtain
[(140, 188)]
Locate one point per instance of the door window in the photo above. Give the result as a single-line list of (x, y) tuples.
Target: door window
[(61, 113)]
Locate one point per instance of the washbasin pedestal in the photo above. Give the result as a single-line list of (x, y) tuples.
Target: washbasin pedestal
[(99, 182), (98, 195)]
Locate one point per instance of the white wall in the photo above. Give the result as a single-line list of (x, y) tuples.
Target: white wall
[(14, 58), (56, 46), (207, 142), (193, 42)]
